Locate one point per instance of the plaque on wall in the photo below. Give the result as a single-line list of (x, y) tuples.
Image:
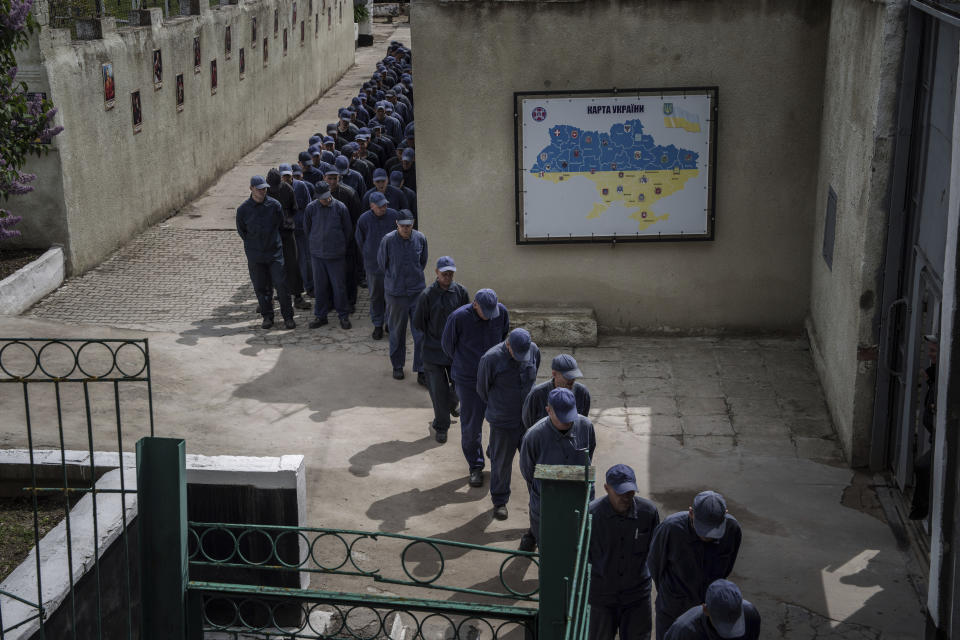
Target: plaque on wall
[(179, 92), (213, 76), (196, 54), (615, 165), (136, 108), (227, 42), (157, 69), (109, 90)]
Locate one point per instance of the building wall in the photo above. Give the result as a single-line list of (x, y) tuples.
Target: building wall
[(767, 59), (857, 134), (114, 182)]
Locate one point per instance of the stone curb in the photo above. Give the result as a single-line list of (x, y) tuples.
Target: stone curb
[(29, 284)]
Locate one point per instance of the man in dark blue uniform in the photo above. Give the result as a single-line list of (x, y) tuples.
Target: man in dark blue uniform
[(563, 437), (725, 615), (349, 197), (505, 376), (372, 226), (690, 550), (327, 224), (564, 372), (469, 333), (623, 524), (396, 198), (350, 177), (402, 257), (259, 220), (303, 190), (396, 180), (310, 173), (434, 306)]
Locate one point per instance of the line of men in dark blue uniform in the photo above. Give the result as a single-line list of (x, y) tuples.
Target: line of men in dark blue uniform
[(469, 351), (303, 230), (303, 227)]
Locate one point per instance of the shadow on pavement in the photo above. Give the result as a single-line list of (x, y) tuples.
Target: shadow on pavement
[(393, 511), (388, 452)]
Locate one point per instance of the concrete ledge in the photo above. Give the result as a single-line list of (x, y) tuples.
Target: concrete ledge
[(559, 326), (31, 283), (266, 473)]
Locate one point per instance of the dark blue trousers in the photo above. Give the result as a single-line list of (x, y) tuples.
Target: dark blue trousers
[(503, 447), (472, 410), (442, 394), (303, 258), (267, 276), (378, 303), (399, 314), (330, 285), (633, 621)]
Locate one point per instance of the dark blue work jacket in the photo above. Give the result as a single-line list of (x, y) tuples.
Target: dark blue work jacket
[(328, 228), (402, 262), (683, 566), (430, 316), (535, 404), (503, 382), (618, 552), (259, 227), (355, 181), (303, 192), (370, 231), (543, 443), (694, 625), (466, 337)]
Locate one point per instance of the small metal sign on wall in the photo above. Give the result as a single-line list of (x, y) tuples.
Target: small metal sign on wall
[(615, 165)]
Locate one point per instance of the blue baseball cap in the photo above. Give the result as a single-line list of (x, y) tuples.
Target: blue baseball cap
[(709, 515), (328, 140), (621, 479), (409, 154), (304, 156), (285, 169), (406, 217), (351, 147), (378, 199), (396, 178), (564, 405), (331, 171), (343, 164), (323, 190), (724, 603), (379, 174), (314, 140), (327, 156), (446, 263), (565, 364), (362, 136), (376, 125), (257, 182), (519, 340), (332, 128), (486, 299), (297, 171)]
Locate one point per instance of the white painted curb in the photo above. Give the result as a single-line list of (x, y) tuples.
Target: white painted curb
[(29, 284)]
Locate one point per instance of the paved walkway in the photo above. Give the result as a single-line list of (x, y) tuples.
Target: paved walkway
[(743, 416)]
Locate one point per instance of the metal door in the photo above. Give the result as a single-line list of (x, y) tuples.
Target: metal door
[(915, 244)]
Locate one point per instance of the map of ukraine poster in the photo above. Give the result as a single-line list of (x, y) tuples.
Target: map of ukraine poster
[(625, 165)]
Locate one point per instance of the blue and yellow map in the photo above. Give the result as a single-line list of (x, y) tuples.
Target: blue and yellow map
[(625, 164)]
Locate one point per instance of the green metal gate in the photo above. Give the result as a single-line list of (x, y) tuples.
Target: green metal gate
[(155, 596)]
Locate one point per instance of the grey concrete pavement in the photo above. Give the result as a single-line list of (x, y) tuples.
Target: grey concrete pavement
[(743, 416)]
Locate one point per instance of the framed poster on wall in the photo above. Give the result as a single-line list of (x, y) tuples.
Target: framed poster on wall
[(615, 165)]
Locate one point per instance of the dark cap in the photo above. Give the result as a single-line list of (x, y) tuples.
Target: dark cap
[(396, 178), (709, 515), (257, 182), (323, 190), (564, 405), (446, 263), (486, 299), (303, 156), (379, 174), (378, 199), (724, 603), (519, 340), (343, 164), (621, 479), (409, 154), (566, 365), (406, 217)]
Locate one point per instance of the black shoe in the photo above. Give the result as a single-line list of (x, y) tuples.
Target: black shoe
[(455, 412), (362, 284), (345, 323), (476, 477), (300, 303), (288, 323), (440, 436), (918, 513), (378, 333), (317, 323), (398, 374), (500, 512), (267, 323), (422, 379), (528, 542)]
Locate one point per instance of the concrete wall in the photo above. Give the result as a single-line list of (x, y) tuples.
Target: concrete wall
[(114, 182), (857, 135), (767, 59)]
